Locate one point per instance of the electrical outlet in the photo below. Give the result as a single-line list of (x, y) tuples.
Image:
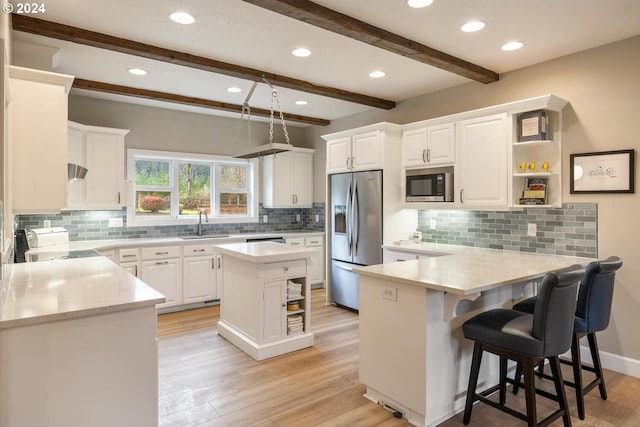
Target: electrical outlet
[(265, 218), (532, 229), (317, 218), (46, 223), (390, 293), (116, 222), (432, 224), (297, 217)]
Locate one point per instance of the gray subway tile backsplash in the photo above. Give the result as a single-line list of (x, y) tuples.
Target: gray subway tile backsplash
[(570, 230)]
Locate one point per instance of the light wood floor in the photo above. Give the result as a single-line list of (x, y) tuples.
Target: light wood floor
[(205, 381)]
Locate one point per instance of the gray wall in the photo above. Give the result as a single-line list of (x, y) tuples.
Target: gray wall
[(603, 89)]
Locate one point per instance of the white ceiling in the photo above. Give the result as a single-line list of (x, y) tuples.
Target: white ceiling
[(237, 32)]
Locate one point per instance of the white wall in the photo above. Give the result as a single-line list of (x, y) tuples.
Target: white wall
[(603, 89)]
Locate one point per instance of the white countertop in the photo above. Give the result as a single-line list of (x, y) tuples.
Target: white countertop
[(466, 270), (47, 291), (263, 252)]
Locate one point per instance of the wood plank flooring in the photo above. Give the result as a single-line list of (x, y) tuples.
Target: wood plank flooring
[(205, 381)]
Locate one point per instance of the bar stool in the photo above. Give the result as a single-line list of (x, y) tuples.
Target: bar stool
[(526, 339), (593, 311)]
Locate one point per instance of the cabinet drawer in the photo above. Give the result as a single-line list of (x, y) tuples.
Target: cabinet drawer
[(311, 242), (282, 270), (295, 241), (197, 250), (128, 254), (161, 252)]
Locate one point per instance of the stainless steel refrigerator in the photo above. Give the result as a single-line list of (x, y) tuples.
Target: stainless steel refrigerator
[(356, 231)]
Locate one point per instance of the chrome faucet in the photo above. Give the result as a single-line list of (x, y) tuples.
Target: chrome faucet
[(206, 219)]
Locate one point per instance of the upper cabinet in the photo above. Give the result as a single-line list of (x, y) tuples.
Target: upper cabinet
[(101, 151), (287, 179), (358, 152), (38, 110), (481, 177), (425, 146)]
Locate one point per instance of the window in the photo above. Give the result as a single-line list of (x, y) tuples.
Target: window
[(173, 188)]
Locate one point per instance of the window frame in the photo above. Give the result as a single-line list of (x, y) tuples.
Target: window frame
[(174, 218)]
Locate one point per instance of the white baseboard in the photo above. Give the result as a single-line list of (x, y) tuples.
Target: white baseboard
[(613, 362)]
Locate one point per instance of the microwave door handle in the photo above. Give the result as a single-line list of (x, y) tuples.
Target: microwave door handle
[(356, 220)]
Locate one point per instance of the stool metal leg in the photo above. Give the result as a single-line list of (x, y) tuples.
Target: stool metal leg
[(473, 381)]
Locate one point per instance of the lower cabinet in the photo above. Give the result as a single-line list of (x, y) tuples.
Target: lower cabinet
[(201, 274), (316, 262), (162, 270)]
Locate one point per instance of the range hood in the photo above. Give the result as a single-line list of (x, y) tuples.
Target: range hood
[(262, 150), (75, 172)]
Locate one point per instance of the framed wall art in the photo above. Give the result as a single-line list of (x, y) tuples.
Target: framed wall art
[(602, 172)]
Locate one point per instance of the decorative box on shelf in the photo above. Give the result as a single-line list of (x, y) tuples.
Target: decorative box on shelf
[(533, 126)]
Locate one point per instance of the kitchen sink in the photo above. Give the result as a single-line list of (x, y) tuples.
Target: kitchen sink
[(211, 236)]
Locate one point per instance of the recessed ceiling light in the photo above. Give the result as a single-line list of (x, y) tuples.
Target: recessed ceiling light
[(512, 46), (182, 18), (301, 102), (377, 74), (472, 26), (234, 89), (419, 3), (301, 52), (138, 71)]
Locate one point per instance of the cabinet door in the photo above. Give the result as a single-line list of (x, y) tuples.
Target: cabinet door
[(164, 276), (366, 151), (302, 179), (441, 143), (132, 268), (338, 155), (199, 279), (281, 176), (75, 189), (481, 166), (414, 147), (316, 262), (275, 322), (105, 179)]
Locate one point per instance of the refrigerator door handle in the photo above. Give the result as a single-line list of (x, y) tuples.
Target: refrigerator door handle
[(355, 217), (348, 219)]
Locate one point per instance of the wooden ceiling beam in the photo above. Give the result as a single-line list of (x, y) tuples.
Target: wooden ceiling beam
[(186, 100), (339, 23), (104, 41)]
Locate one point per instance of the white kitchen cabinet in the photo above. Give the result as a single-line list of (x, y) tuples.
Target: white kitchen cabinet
[(201, 273), (316, 262), (101, 151), (428, 146), (355, 153), (129, 259), (38, 110), (110, 254), (287, 179), (162, 270), (481, 170)]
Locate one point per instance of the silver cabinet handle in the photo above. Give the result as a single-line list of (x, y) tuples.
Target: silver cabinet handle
[(461, 194), (118, 197), (128, 255), (162, 262), (424, 156), (429, 155), (135, 268), (162, 253), (219, 262), (198, 250), (286, 268), (213, 263)]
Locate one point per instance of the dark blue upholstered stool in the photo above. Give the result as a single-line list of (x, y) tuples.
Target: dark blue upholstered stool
[(593, 311), (527, 339)]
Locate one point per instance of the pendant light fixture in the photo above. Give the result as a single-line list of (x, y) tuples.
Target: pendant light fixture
[(264, 149)]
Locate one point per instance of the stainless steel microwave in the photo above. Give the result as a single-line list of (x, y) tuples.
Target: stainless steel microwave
[(428, 187)]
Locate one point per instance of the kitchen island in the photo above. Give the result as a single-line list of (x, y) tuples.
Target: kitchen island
[(265, 302), (413, 355), (77, 345)]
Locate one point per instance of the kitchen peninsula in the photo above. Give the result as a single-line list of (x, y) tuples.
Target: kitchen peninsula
[(265, 302), (413, 356), (77, 345)]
